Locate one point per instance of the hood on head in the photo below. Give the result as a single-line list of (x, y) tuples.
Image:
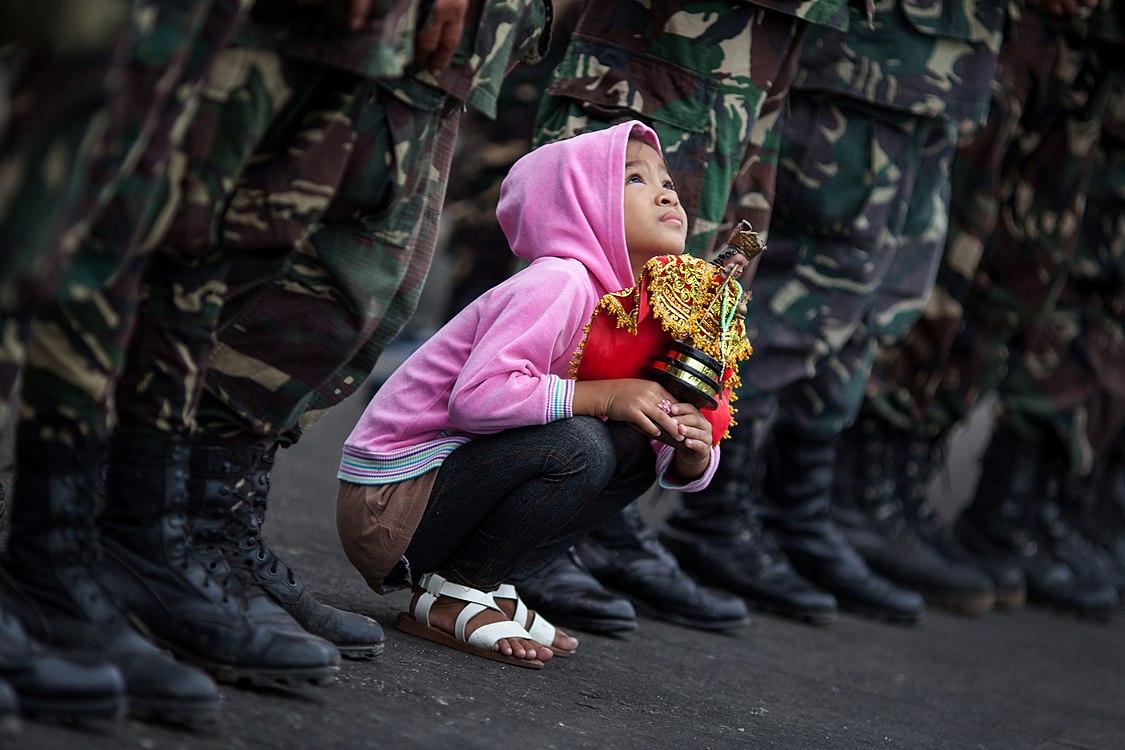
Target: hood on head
[(566, 200)]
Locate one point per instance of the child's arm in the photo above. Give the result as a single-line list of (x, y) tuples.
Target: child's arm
[(526, 327)]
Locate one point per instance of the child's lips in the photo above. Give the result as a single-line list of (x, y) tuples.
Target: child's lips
[(672, 218)]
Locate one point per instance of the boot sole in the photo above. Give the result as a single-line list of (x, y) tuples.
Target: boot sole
[(195, 715), (960, 603), (894, 618), (819, 619), (90, 712), (232, 674), (268, 678), (1008, 599), (1066, 608), (716, 626), (361, 653)]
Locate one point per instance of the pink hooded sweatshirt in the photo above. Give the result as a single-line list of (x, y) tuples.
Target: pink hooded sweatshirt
[(503, 362)]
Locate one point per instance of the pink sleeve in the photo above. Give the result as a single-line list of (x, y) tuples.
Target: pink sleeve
[(515, 375), (664, 455)]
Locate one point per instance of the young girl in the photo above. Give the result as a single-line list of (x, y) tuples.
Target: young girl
[(480, 459)]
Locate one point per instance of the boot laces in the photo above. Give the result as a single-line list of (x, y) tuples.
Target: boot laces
[(876, 492), (922, 459), (756, 538)]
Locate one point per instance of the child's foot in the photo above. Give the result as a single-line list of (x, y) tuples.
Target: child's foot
[(533, 622), (445, 610)]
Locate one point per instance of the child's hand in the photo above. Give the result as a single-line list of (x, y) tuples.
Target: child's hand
[(641, 402), (695, 429), (650, 407)]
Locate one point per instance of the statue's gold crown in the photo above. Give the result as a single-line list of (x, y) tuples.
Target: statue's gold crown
[(744, 239)]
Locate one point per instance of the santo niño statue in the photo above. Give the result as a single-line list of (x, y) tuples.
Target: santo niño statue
[(683, 325)]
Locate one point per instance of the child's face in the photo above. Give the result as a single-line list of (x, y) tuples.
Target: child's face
[(655, 222)]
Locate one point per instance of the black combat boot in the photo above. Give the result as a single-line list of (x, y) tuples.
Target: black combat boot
[(624, 555), (54, 560), (1093, 513), (796, 508), (867, 509), (1014, 514), (49, 686), (1109, 507), (919, 458), (717, 537), (186, 601), (229, 489), (569, 595)]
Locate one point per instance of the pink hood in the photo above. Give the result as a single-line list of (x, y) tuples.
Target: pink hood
[(565, 199)]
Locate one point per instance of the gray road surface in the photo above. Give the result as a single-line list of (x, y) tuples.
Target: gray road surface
[(1028, 679)]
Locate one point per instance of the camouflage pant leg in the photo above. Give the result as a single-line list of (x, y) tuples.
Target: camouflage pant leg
[(1072, 382), (486, 150), (313, 327), (56, 85), (905, 376), (711, 126), (860, 196), (77, 346), (1025, 264), (752, 194), (415, 265), (185, 285)]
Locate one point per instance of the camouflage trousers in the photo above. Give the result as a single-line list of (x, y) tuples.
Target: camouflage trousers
[(69, 349), (1021, 188), (1070, 383), (858, 226), (720, 143), (303, 207), (56, 100), (486, 150), (313, 305)]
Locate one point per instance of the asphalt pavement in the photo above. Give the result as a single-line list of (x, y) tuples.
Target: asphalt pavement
[(1026, 679)]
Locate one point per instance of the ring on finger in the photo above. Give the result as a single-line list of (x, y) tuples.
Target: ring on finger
[(665, 406)]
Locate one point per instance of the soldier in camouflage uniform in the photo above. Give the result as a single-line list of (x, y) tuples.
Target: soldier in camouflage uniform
[(303, 202), (1067, 392), (314, 299), (48, 134), (710, 78), (1014, 253), (71, 346), (857, 230), (1059, 390)]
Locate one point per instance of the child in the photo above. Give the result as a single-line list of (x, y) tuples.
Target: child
[(480, 460)]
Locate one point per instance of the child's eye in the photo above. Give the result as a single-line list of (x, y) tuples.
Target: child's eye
[(669, 185), (633, 178)]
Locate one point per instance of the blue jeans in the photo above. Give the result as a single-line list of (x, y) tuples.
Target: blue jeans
[(505, 505)]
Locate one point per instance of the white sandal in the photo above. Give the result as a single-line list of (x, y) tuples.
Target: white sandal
[(539, 628), (482, 641)]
